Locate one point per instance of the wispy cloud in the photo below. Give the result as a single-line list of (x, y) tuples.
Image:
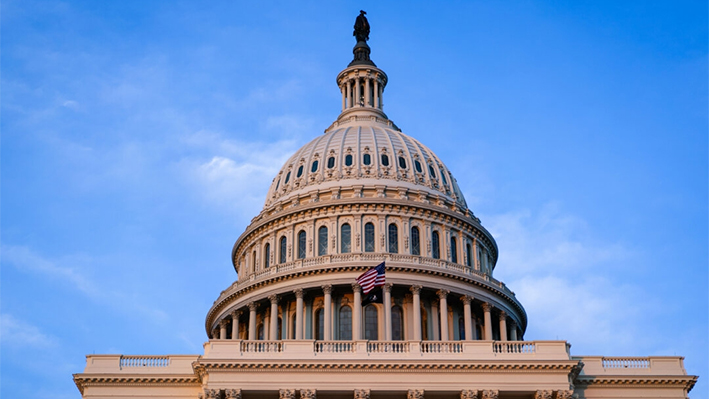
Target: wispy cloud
[(17, 333)]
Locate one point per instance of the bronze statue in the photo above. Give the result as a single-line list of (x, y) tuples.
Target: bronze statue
[(361, 27)]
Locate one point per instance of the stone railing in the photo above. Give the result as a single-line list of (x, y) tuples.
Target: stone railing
[(431, 350), (653, 365), (145, 361)]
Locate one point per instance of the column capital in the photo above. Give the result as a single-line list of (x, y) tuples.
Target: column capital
[(503, 315), (490, 394), (327, 289), (286, 393), (387, 287), (211, 393), (232, 393), (567, 394), (414, 394), (486, 307), (512, 324), (469, 394), (222, 323), (415, 289), (467, 300), (543, 394), (442, 294), (298, 293), (273, 298), (356, 287), (252, 306), (308, 394), (361, 394), (235, 314)]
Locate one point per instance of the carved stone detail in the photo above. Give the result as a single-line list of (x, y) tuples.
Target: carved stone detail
[(211, 393), (442, 294), (298, 293), (327, 289), (466, 299), (486, 307), (253, 306), (415, 289), (356, 287), (361, 394), (490, 394), (387, 287), (232, 393), (308, 394), (273, 298), (543, 394), (286, 393), (469, 394), (414, 394), (568, 394)]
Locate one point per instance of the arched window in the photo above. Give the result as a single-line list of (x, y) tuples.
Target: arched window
[(301, 244), (417, 164), (366, 159), (345, 323), (314, 167), (278, 183), (454, 250), (435, 245), (331, 162), (300, 171), (461, 328), (431, 171), (253, 260), (282, 250), (348, 160), (443, 176), (397, 323), (402, 162), (369, 237), (415, 241), (469, 254), (371, 323), (322, 241), (385, 160), (287, 177), (319, 324), (345, 238), (393, 239), (267, 256)]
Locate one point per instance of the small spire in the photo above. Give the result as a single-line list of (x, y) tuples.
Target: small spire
[(361, 50)]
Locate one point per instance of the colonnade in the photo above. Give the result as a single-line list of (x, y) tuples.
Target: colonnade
[(362, 91), (506, 328)]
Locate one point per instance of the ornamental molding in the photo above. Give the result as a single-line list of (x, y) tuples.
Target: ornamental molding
[(685, 381), (180, 381), (386, 367)]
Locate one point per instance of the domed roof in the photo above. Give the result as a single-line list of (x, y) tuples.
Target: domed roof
[(364, 151)]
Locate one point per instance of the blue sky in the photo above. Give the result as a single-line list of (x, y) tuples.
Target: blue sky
[(139, 139)]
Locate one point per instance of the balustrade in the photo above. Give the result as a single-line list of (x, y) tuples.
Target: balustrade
[(387, 347), (441, 347), (261, 346), (513, 347), (334, 346), (145, 361), (626, 362)]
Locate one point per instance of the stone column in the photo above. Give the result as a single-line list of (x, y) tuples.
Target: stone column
[(469, 394), (488, 321), (235, 324), (361, 394), (222, 329), (416, 291), (252, 320), (387, 311), (467, 317), (414, 394), (513, 330), (308, 394), (376, 93), (349, 93), (327, 327), (299, 313), (443, 310), (476, 261), (273, 333), (367, 100), (232, 393), (357, 314), (343, 98), (357, 93), (503, 326), (286, 394)]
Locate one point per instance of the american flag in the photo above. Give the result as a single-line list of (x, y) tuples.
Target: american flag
[(373, 277)]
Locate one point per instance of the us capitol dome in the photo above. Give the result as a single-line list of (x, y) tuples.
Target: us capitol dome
[(297, 324)]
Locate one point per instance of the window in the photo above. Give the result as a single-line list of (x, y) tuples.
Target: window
[(397, 322), (393, 239), (369, 237), (461, 328), (430, 170), (278, 183), (301, 244), (253, 260), (469, 253), (283, 249), (371, 323), (267, 256), (443, 176), (345, 239), (435, 246), (319, 324), (287, 177), (424, 324), (417, 164), (348, 160), (292, 326), (314, 167), (385, 160), (415, 241), (322, 241), (260, 332), (366, 159), (454, 250), (345, 323), (279, 334), (331, 162), (300, 171), (402, 163)]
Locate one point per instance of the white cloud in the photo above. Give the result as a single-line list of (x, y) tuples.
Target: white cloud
[(18, 333)]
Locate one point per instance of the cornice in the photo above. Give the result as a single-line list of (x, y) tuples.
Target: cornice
[(83, 380), (385, 366), (685, 381), (224, 302)]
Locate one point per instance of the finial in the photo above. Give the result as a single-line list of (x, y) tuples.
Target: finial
[(361, 33)]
